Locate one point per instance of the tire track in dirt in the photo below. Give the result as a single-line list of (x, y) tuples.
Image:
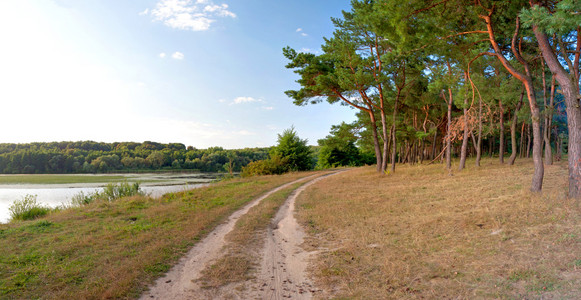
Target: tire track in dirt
[(284, 263), (180, 281)]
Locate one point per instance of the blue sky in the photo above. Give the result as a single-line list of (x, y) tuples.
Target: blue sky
[(199, 72)]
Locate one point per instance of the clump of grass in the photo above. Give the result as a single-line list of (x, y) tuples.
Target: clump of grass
[(27, 208), (228, 269), (111, 192)]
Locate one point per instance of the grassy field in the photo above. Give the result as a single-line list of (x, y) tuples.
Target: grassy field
[(421, 233), (115, 249), (59, 179)]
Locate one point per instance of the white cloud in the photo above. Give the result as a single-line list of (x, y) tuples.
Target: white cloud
[(222, 100), (300, 30), (145, 12), (240, 100), (178, 55), (162, 55), (189, 15), (268, 107)]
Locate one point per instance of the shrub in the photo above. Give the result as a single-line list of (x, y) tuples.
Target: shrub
[(115, 191), (27, 208), (273, 165), (81, 198), (110, 193)]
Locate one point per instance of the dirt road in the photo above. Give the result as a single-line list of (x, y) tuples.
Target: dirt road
[(282, 270)]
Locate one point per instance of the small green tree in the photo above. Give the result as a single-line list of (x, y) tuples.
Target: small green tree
[(338, 148), (291, 148)]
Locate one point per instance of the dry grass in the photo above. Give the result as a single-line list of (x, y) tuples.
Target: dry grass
[(244, 243), (420, 233), (114, 250)]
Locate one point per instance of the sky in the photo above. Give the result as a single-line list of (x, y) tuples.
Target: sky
[(199, 72)]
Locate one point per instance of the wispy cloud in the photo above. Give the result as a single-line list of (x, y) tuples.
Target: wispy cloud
[(300, 30), (145, 12), (192, 15), (162, 55), (268, 107), (178, 55), (240, 100)]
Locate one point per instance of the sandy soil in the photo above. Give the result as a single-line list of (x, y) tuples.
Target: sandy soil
[(284, 263), (282, 271)]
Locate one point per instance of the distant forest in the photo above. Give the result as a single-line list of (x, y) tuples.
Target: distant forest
[(96, 157)]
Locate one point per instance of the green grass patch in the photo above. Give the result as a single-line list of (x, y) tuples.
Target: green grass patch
[(59, 179)]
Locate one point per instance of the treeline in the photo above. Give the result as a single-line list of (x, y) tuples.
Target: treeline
[(96, 157), (432, 80)]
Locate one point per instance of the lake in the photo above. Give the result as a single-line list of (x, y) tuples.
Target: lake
[(54, 195)]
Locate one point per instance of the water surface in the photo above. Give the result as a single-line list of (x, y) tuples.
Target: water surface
[(54, 195)]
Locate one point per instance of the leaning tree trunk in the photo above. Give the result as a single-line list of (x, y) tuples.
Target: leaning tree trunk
[(513, 124), (526, 79), (537, 182), (570, 91)]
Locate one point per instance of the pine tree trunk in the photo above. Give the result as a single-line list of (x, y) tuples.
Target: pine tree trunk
[(378, 156), (434, 145), (513, 124), (393, 136), (546, 114), (385, 139), (465, 138), (571, 91), (522, 140), (528, 141), (501, 146), (448, 133), (479, 143)]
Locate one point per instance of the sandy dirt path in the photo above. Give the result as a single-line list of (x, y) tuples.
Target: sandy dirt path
[(180, 281), (282, 273)]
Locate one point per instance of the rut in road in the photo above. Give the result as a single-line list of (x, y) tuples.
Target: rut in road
[(181, 281), (282, 273)]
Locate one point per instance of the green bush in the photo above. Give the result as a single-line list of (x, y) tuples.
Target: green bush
[(273, 165), (110, 193), (115, 191), (27, 208)]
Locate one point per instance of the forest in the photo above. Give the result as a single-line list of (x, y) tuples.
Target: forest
[(97, 157), (432, 80)]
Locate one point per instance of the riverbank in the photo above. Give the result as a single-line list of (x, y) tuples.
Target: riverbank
[(116, 249), (54, 190)]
